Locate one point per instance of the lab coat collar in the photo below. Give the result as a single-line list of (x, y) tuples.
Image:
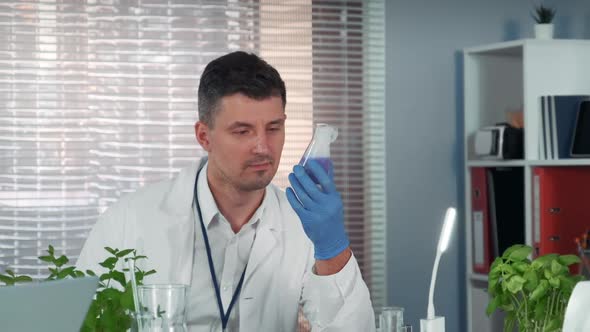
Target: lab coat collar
[(178, 202), (179, 199), (209, 208)]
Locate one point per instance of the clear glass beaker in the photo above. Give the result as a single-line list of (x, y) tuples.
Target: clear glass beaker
[(162, 308), (391, 319)]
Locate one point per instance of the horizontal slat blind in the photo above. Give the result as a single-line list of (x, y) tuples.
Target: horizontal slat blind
[(99, 98)]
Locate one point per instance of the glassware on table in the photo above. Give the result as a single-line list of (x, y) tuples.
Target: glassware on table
[(407, 328), (162, 308), (391, 319)]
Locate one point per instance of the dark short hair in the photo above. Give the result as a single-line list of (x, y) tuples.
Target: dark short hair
[(237, 72)]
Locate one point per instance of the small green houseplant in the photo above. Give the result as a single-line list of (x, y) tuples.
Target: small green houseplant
[(543, 15), (544, 18), (113, 304), (533, 294)]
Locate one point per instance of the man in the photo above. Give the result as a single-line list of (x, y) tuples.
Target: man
[(250, 253)]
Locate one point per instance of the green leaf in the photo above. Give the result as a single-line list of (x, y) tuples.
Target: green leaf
[(556, 268), (50, 250), (10, 273), (9, 281), (554, 282), (540, 291), (507, 270), (109, 263), (532, 280), (111, 293), (23, 279), (520, 253), (124, 253), (568, 260), (90, 273), (510, 249), (139, 257), (119, 277), (521, 266), (112, 251), (552, 325), (105, 276), (65, 272), (127, 298), (541, 261), (492, 306), (515, 284), (569, 282), (492, 284), (547, 273), (78, 274), (48, 259), (61, 261)]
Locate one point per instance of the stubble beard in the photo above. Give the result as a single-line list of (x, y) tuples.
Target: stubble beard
[(262, 178)]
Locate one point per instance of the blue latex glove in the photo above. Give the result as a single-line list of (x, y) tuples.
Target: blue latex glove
[(319, 208)]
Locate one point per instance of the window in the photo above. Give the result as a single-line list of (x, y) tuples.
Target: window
[(99, 98)]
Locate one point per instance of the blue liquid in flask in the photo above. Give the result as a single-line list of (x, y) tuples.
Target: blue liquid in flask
[(319, 149)]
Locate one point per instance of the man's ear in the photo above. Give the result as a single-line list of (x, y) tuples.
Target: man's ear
[(202, 133)]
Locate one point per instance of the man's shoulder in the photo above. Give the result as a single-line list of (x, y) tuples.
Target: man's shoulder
[(148, 196), (155, 195)]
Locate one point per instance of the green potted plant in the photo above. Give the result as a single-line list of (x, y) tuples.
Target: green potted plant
[(112, 308), (533, 294), (544, 18)]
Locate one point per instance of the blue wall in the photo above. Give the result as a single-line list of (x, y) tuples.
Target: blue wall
[(424, 134)]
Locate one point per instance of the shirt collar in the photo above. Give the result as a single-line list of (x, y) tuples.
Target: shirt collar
[(209, 209)]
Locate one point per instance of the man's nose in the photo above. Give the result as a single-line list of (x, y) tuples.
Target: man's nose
[(261, 144)]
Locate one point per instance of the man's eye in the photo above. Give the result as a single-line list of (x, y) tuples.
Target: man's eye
[(274, 128), (241, 132)]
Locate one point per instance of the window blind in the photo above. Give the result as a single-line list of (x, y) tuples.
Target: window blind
[(99, 98)]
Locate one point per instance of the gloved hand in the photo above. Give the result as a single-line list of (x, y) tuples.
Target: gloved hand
[(319, 208)]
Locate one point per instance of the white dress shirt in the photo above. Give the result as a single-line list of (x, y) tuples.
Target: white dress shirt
[(229, 251)]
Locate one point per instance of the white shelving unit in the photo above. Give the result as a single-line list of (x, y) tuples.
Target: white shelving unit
[(507, 77)]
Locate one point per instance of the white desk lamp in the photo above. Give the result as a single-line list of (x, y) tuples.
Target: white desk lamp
[(433, 323), (577, 314)]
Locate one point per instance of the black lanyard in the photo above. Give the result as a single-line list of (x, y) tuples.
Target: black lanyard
[(224, 316)]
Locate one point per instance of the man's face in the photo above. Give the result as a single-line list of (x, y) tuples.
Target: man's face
[(245, 142)]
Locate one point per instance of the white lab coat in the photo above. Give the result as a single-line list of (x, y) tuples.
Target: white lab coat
[(159, 222)]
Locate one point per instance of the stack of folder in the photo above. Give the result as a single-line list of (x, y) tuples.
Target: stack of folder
[(558, 122), (560, 208)]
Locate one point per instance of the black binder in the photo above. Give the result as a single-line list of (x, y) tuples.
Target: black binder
[(506, 195)]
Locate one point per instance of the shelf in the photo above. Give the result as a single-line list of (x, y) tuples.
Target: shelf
[(496, 163), (509, 48), (561, 162), (478, 277), (533, 163), (514, 47)]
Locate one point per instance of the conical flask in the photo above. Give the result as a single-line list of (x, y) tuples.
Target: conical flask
[(319, 147)]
